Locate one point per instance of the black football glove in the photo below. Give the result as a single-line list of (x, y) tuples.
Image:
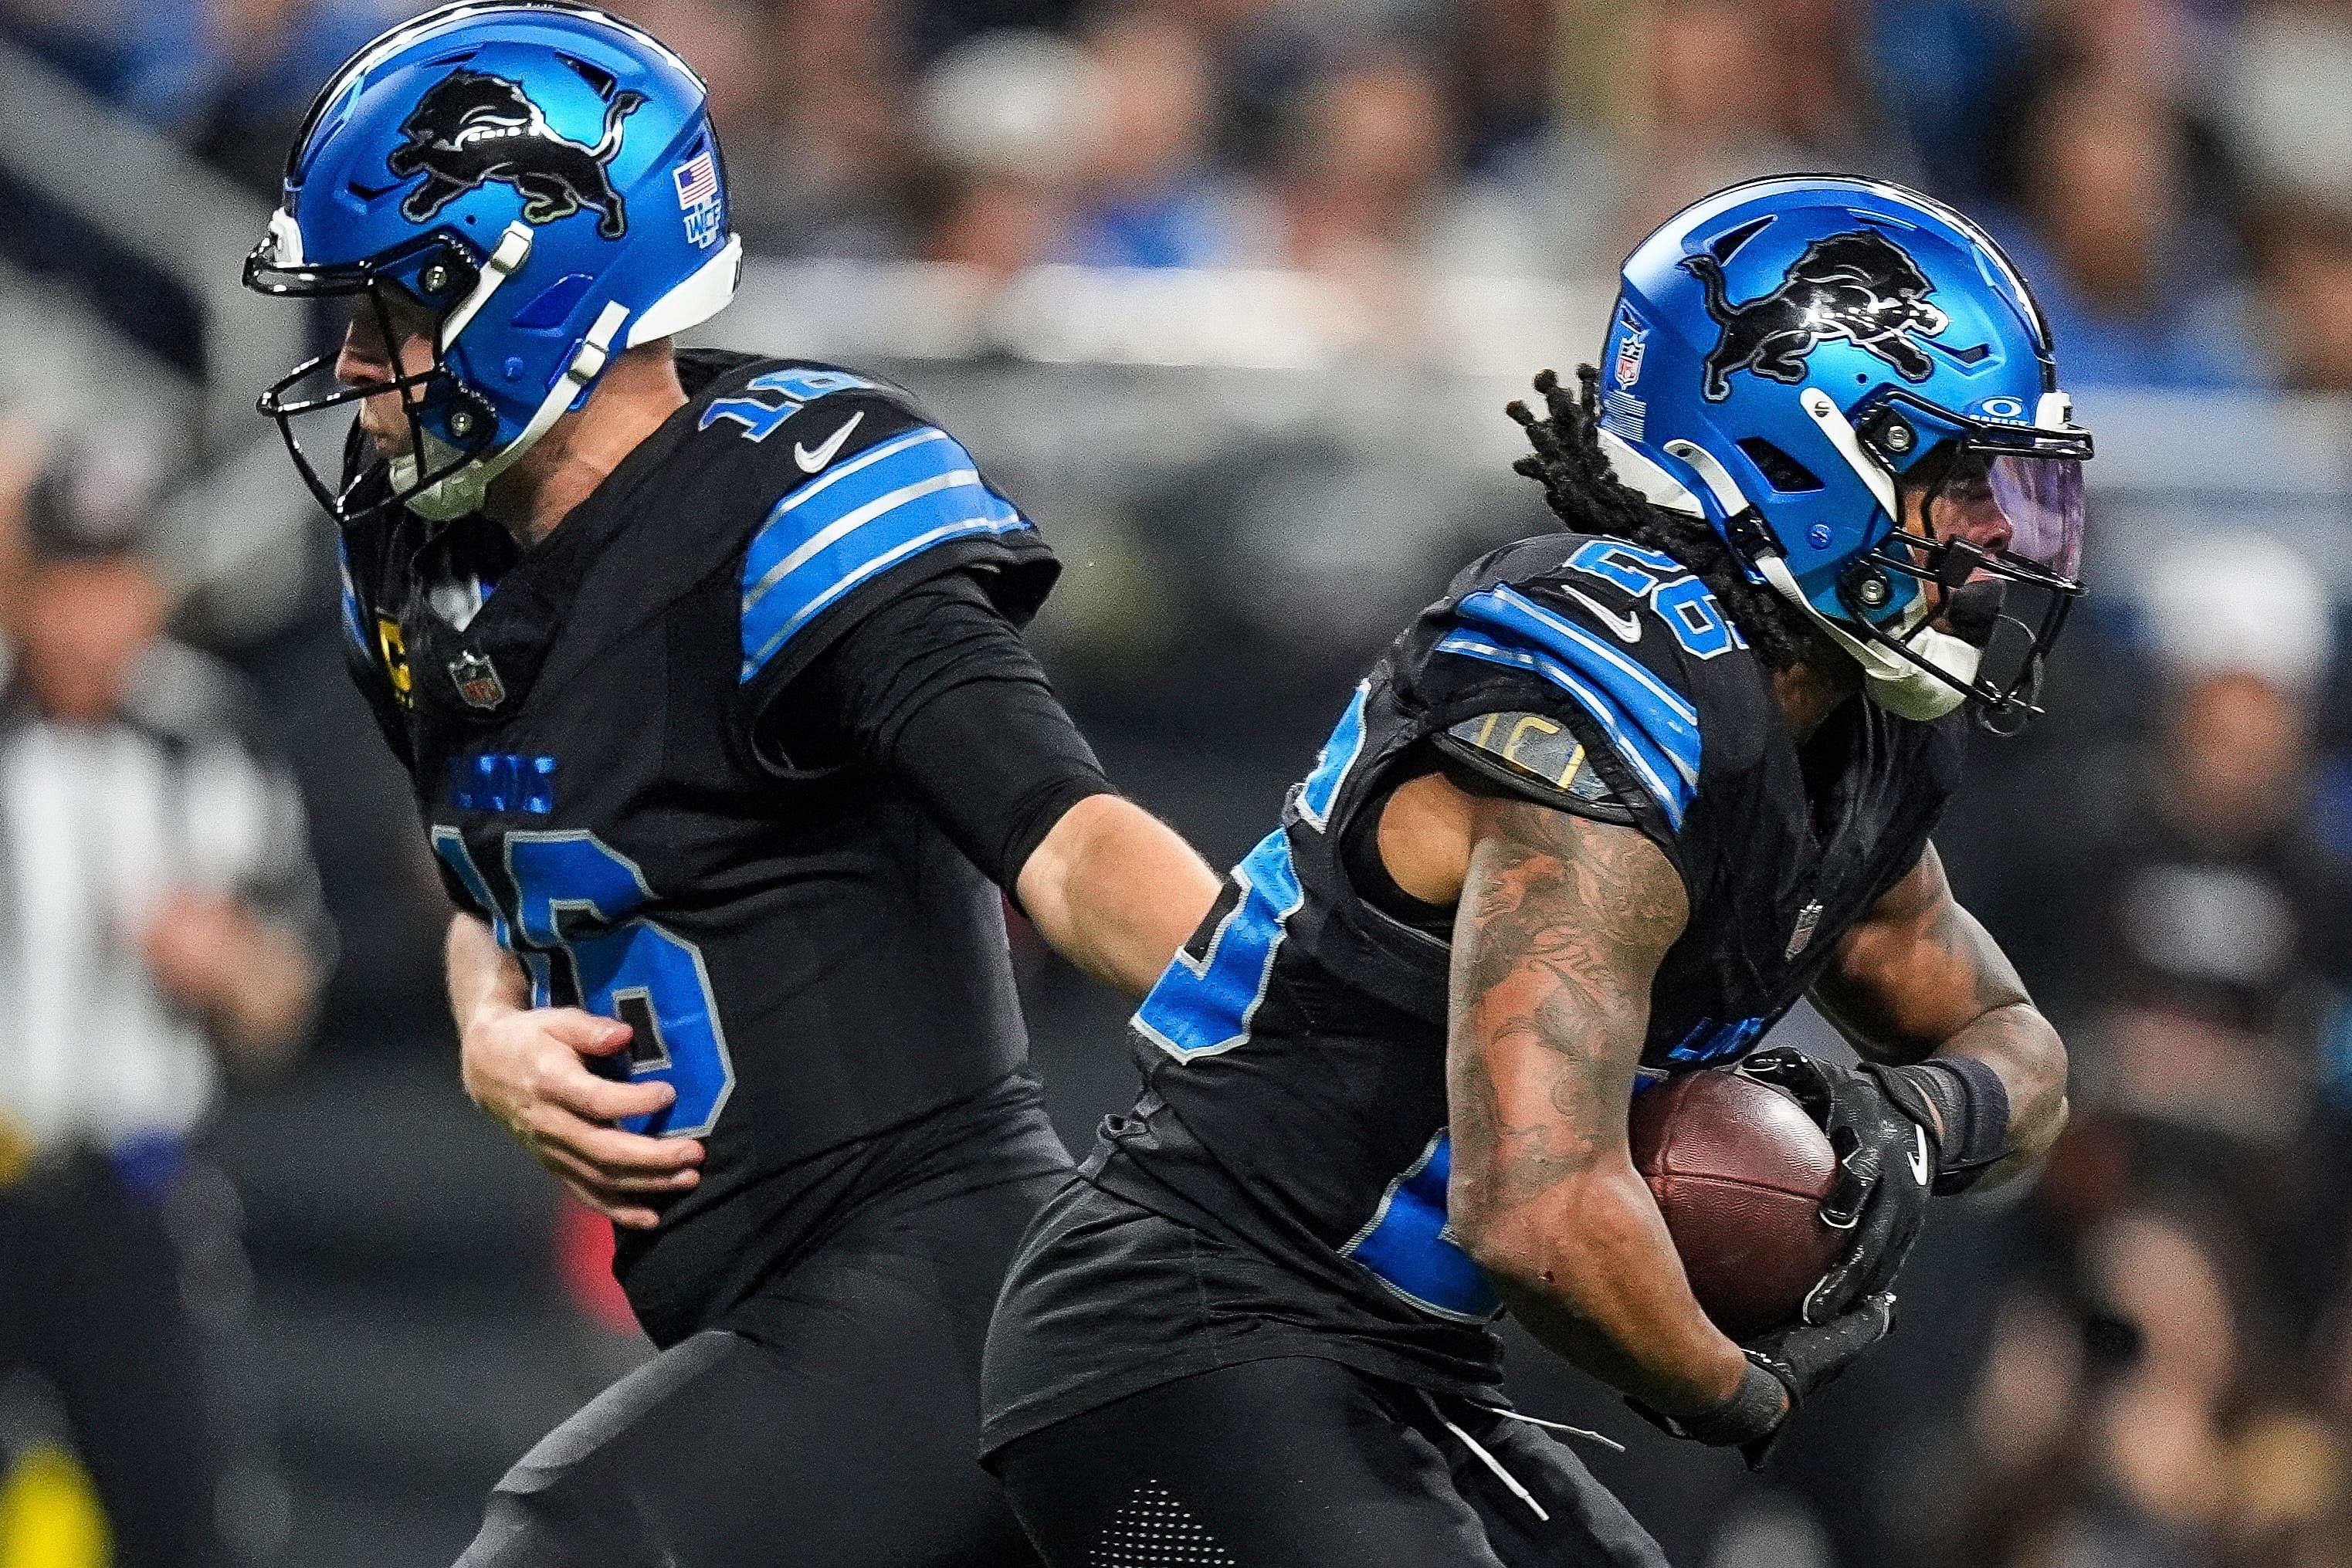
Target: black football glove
[(1879, 1124), (1805, 1359), (1784, 1369)]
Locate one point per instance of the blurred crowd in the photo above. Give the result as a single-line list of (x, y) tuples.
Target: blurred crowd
[(2147, 1358), (2176, 173), (2167, 1370)]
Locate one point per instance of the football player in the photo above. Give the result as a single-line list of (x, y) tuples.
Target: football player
[(1603, 814), (707, 671)]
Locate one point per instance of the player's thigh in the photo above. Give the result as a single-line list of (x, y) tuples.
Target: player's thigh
[(1291, 1463), (839, 1428), (724, 1453), (1553, 1511)]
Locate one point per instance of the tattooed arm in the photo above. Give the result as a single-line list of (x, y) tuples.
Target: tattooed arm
[(1918, 979), (1561, 925)]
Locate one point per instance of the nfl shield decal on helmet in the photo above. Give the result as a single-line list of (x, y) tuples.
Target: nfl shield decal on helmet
[(478, 681), (1622, 413), (1633, 340)]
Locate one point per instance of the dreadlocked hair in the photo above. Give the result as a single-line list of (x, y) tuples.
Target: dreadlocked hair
[(1580, 488)]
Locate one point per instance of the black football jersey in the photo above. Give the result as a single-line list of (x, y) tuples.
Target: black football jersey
[(1293, 1054), (593, 728)]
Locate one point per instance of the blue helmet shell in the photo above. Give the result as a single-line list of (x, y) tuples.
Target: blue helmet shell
[(543, 175), (1760, 297)]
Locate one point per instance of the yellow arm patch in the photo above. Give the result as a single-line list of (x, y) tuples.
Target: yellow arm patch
[(1530, 749), (394, 649)]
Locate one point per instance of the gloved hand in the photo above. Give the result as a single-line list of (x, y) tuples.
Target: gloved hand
[(1805, 1359), (1784, 1368), (1882, 1128)]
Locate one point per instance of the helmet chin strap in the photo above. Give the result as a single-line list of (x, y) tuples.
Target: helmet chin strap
[(456, 494), (1894, 682)]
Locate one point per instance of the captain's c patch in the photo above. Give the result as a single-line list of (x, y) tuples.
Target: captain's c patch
[(1541, 750)]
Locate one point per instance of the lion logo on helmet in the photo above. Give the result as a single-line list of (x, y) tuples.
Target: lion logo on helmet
[(471, 128), (1860, 287)]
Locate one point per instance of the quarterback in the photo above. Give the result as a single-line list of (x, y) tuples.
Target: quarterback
[(1602, 813), (707, 671)]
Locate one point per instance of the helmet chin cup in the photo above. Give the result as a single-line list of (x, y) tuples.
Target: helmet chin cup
[(1900, 686), (1917, 693), (462, 489), (457, 492)]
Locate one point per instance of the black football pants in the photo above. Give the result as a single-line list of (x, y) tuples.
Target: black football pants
[(843, 1436), (1300, 1463)]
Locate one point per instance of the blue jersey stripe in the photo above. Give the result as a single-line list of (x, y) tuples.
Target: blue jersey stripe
[(354, 625), (1658, 773), (1004, 520), (1632, 669), (1409, 1248), (879, 509), (1321, 786), (1664, 712), (823, 510)]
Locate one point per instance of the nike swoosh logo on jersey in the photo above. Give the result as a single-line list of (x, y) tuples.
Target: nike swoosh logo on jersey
[(811, 462), (1624, 623), (1919, 1158)]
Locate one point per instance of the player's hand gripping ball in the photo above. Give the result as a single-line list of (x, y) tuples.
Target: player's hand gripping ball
[(1741, 1173), (1877, 1119)]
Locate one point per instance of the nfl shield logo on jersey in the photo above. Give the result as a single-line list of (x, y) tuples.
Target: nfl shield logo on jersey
[(478, 681), (1802, 936)]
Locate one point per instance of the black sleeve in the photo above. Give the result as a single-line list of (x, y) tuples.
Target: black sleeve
[(937, 687)]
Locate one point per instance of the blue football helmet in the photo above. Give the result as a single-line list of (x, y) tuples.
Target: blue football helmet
[(1786, 357), (539, 185)]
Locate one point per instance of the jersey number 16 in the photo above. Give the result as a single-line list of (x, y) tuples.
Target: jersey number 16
[(571, 921)]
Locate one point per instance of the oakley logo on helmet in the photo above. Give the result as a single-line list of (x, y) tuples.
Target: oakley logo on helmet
[(471, 127), (1859, 286)]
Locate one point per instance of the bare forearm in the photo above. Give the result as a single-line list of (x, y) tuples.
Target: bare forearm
[(1559, 934), (1922, 979), (1116, 892), (480, 973), (1601, 1285), (2018, 1044)]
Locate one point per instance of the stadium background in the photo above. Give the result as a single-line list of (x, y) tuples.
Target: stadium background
[(1229, 293)]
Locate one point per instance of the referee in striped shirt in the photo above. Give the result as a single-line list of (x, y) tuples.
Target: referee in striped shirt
[(159, 918)]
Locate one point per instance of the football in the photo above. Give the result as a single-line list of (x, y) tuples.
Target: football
[(1740, 1172)]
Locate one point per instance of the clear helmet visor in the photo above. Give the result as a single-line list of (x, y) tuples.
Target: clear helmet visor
[(2024, 507), (1996, 549)]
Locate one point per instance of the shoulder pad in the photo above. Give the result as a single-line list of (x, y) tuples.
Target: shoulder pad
[(1540, 757), (1593, 654), (777, 392), (863, 484)]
